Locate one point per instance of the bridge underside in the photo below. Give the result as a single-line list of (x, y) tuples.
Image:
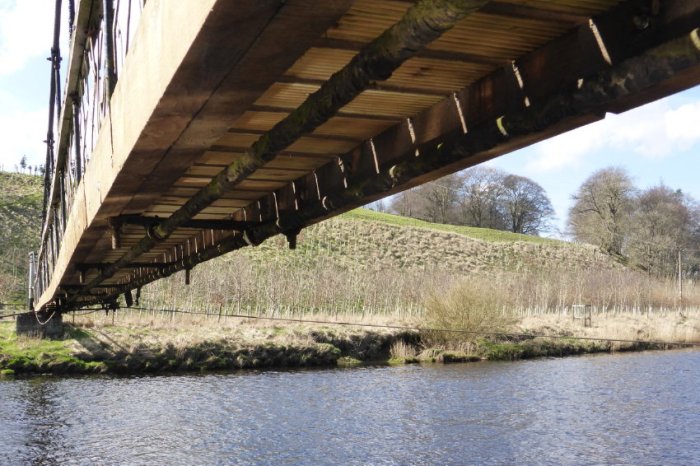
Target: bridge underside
[(179, 174)]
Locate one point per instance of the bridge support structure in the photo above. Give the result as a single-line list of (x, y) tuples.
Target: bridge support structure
[(201, 159), (42, 325)]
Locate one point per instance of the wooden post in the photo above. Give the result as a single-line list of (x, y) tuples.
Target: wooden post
[(115, 227), (77, 139), (109, 41), (680, 281), (30, 282)]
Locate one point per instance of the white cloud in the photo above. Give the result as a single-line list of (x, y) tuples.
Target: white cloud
[(565, 150), (683, 124), (655, 130), (26, 32), (22, 132)]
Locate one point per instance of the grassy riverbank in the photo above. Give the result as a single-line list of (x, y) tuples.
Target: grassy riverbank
[(157, 343), (364, 267), (20, 221), (128, 349)]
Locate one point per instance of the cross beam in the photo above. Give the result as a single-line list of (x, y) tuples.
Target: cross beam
[(671, 64), (148, 222), (423, 23)]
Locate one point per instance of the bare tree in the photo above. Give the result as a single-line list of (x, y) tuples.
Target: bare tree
[(440, 198), (480, 204), (436, 201), (602, 207), (482, 197), (663, 224), (405, 203), (526, 205), (377, 206)]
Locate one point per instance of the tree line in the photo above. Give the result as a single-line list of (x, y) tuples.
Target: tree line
[(656, 229), (24, 167), (480, 197)]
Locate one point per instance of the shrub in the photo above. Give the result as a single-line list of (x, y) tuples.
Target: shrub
[(465, 312)]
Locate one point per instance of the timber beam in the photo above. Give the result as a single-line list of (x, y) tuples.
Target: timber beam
[(332, 190), (100, 287), (422, 23), (86, 266), (378, 86), (512, 10), (561, 66), (583, 101), (569, 82), (150, 222), (343, 44)]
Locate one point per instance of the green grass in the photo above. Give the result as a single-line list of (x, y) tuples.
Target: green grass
[(22, 354), (539, 347), (483, 234), (20, 223), (361, 255), (13, 346), (364, 262)]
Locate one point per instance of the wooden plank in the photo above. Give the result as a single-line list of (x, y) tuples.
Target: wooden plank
[(409, 86), (444, 55), (262, 59), (305, 144), (277, 174), (341, 113), (372, 102), (291, 163), (530, 12)]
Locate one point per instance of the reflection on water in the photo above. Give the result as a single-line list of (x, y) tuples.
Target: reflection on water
[(622, 409)]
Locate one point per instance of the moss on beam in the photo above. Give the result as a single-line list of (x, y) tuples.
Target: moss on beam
[(423, 23)]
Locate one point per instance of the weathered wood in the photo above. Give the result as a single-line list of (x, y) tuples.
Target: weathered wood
[(379, 86), (598, 92), (528, 12), (85, 266), (149, 222), (422, 23), (108, 8), (284, 194), (255, 41), (595, 95), (342, 44)]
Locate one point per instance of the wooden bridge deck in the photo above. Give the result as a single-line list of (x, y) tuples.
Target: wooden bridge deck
[(193, 86)]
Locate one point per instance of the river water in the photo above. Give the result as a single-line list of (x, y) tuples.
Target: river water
[(641, 408)]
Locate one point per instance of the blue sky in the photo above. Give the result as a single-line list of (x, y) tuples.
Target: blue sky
[(657, 143), (26, 32)]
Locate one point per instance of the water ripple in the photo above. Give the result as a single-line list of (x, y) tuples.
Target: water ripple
[(620, 409)]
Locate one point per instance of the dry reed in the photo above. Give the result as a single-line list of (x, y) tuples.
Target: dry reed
[(391, 275)]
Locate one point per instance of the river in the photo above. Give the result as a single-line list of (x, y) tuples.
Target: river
[(641, 408)]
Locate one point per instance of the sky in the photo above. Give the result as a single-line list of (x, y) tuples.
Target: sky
[(656, 143)]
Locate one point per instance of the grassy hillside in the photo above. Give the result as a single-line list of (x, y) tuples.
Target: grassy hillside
[(20, 222), (362, 261), (366, 262), (364, 239)]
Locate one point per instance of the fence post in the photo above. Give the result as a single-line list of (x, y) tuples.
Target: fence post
[(30, 282)]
